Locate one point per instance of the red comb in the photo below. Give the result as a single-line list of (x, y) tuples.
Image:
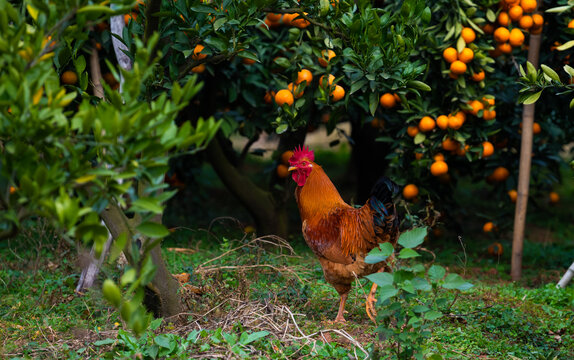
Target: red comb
[(301, 153)]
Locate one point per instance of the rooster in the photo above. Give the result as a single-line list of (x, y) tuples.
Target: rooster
[(339, 234)]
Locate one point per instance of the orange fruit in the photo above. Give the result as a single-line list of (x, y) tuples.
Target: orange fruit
[(438, 168), (296, 90), (489, 100), (282, 171), (571, 24), (503, 19), (487, 149), (466, 55), (286, 156), (326, 56), (454, 122), (198, 69), (449, 144), (269, 95), (516, 37), (495, 249), (247, 61), (458, 67), (500, 174), (426, 124), (461, 151), (378, 123), (413, 131), (554, 197), (526, 22), (488, 114), (410, 191), (338, 93), (468, 35), (273, 17), (536, 129), (501, 35), (197, 55), (111, 80), (515, 13), (461, 115), (528, 5), (450, 55), (505, 48), (418, 156), (326, 82), (284, 97), (326, 117), (538, 20), (304, 75), (479, 76), (438, 157), (300, 22), (442, 122), (476, 107), (69, 77), (397, 97), (131, 16), (488, 28), (289, 18), (387, 101), (488, 227), (12, 189), (513, 194)]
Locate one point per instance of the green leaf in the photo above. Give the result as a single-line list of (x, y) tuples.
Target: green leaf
[(281, 128), (407, 286), (254, 337), (162, 340), (128, 277), (154, 325), (455, 281), (572, 103), (419, 138), (551, 73), (152, 229), (386, 292), (373, 102), (219, 23), (413, 238), (104, 342), (565, 46), (380, 253), (381, 278), (421, 284), (531, 99), (419, 85), (490, 15), (433, 315), (436, 272), (147, 204), (420, 308), (407, 253), (569, 70), (559, 9)]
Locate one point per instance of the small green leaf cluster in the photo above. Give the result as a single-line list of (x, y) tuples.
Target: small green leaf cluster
[(534, 82), (410, 298)]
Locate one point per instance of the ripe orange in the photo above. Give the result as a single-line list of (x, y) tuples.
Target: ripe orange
[(282, 171), (466, 55), (536, 129), (296, 90), (438, 157), (284, 97), (426, 124), (505, 48), (378, 123), (326, 82), (449, 144), (503, 19), (269, 95), (526, 22), (516, 37), (273, 17), (458, 67), (479, 76), (397, 97), (476, 107), (69, 77), (418, 155), (197, 55), (338, 93), (300, 22), (538, 20), (554, 197), (450, 55), (304, 75), (326, 117), (513, 194), (461, 115), (248, 62), (410, 191), (413, 130), (289, 18), (488, 227), (515, 13), (461, 151), (454, 122), (468, 35), (438, 168), (286, 156), (442, 122), (489, 100), (131, 16), (388, 101), (528, 5), (487, 149), (501, 35), (326, 56), (488, 28), (489, 115), (198, 69), (495, 249), (500, 174)]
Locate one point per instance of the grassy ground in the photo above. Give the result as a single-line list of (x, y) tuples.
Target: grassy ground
[(263, 298)]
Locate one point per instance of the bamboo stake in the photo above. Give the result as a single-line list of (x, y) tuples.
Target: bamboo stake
[(567, 277), (524, 171)]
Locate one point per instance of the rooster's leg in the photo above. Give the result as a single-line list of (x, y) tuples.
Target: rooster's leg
[(340, 315), (371, 301)]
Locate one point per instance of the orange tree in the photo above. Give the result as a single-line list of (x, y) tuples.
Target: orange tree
[(76, 159)]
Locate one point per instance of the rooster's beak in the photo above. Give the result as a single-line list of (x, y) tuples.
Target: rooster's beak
[(291, 168)]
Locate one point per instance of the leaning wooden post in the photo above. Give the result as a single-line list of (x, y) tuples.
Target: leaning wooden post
[(524, 171)]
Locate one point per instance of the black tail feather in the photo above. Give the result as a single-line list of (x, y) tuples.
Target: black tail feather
[(384, 211), (384, 190)]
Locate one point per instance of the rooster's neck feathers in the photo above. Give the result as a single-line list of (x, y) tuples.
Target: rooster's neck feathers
[(317, 194)]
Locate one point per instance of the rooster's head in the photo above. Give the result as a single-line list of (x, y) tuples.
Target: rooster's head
[(301, 163)]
